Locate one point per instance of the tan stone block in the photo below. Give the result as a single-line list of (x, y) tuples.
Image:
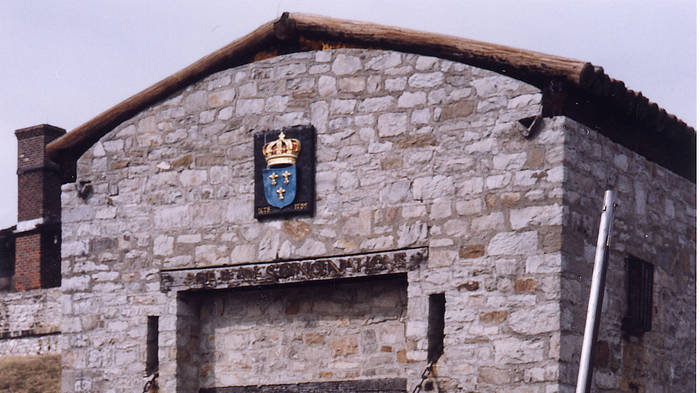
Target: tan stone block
[(510, 199), (393, 162), (493, 317), (525, 285), (550, 239), (314, 338), (493, 376), (535, 158), (401, 356), (183, 161), (296, 229), (469, 286), (492, 201), (474, 251), (344, 346), (457, 110)]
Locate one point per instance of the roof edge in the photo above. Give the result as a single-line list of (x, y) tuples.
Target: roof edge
[(303, 32)]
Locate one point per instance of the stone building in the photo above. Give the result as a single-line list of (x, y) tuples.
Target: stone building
[(456, 189)]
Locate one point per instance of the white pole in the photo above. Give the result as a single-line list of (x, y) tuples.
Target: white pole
[(585, 370)]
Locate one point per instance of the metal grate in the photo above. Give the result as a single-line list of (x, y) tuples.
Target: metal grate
[(640, 289)]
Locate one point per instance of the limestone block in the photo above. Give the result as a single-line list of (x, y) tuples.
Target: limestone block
[(75, 284), (210, 254), (490, 222), (384, 61), (413, 233), (395, 192), (342, 106), (163, 245), (424, 63), (522, 321), (513, 243), (392, 124), (515, 351), (420, 116), (326, 86), (225, 113), (319, 69), (276, 104), (220, 98), (249, 89), (172, 217), (495, 85), (249, 106), (376, 104), (548, 263), (469, 207), (510, 161), (432, 187), (395, 84), (319, 115), (290, 70), (525, 100), (313, 247), (536, 216), (194, 102), (409, 100), (323, 56), (422, 80), (346, 64), (207, 116), (441, 208), (378, 243), (352, 85), (193, 178)]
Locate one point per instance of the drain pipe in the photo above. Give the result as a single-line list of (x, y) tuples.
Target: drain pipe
[(585, 370)]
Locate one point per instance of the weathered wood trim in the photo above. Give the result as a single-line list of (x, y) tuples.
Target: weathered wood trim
[(319, 269)]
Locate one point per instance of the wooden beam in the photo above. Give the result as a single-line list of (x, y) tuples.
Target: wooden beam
[(299, 32), (439, 45)]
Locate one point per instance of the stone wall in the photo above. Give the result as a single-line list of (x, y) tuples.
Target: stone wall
[(655, 221), (30, 322), (411, 152), (293, 334)]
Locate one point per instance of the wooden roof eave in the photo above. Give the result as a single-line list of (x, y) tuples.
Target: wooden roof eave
[(302, 32)]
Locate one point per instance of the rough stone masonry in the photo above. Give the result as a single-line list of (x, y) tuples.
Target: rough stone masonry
[(412, 152)]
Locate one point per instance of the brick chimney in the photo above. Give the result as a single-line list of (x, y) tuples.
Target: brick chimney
[(38, 233)]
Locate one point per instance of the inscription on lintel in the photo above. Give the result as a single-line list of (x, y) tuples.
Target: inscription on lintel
[(373, 264)]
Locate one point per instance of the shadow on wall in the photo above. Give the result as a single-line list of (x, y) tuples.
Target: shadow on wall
[(330, 331)]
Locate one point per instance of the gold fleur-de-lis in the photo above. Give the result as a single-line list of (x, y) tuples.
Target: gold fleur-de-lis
[(286, 177), (280, 192), (273, 178)]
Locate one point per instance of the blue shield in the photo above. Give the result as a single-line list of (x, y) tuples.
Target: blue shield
[(280, 185)]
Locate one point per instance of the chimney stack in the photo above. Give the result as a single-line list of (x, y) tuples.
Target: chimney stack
[(38, 233)]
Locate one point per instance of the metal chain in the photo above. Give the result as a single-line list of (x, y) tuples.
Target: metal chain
[(150, 383), (426, 373)]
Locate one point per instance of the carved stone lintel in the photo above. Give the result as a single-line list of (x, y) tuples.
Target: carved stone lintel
[(331, 268)]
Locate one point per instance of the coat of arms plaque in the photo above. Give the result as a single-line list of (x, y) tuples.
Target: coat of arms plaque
[(285, 162)]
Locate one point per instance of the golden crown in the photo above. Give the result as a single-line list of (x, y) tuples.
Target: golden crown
[(281, 151)]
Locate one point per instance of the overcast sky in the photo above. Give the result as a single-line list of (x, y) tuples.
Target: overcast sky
[(63, 62)]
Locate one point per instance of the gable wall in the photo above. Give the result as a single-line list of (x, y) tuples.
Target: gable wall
[(411, 152)]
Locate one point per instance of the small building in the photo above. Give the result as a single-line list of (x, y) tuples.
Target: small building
[(438, 203)]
